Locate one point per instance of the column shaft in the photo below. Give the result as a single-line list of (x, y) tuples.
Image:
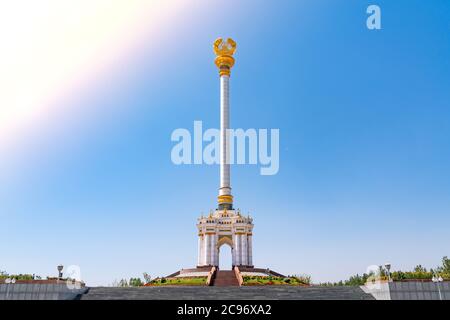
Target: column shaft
[(206, 250), (213, 249), (203, 250), (238, 250), (244, 249), (216, 249), (225, 186), (199, 260), (233, 251), (250, 249)]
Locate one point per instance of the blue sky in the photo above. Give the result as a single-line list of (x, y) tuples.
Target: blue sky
[(364, 119)]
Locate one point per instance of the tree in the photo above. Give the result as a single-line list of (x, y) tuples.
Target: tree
[(446, 265), (135, 282), (356, 280), (419, 268), (123, 283)]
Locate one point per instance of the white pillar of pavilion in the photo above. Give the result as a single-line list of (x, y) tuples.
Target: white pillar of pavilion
[(199, 260), (244, 250), (250, 253)]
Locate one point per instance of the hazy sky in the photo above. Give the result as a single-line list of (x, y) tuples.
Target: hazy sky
[(92, 92)]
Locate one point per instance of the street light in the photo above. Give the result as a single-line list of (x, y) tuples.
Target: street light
[(60, 269), (388, 268), (436, 280)]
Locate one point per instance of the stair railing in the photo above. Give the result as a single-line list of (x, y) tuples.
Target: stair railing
[(210, 276), (238, 275)]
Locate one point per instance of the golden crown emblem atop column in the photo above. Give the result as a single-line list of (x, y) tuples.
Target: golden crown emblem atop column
[(224, 51)]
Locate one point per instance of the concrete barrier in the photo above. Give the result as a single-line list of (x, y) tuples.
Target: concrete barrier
[(409, 290), (45, 291), (417, 290)]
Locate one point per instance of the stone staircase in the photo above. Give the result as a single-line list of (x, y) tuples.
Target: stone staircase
[(226, 293), (225, 279)]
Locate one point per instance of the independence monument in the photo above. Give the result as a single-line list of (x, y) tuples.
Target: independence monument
[(224, 226)]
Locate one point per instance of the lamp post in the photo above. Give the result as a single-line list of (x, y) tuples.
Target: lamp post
[(436, 279), (380, 272), (60, 269), (388, 268)]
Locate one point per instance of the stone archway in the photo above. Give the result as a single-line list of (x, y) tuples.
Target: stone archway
[(225, 253)]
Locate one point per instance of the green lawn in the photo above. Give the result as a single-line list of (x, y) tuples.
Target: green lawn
[(275, 281), (197, 281)]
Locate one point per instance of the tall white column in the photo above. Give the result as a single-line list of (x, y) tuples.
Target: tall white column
[(224, 60), (216, 250), (207, 249), (199, 260), (250, 249), (238, 250), (216, 261), (203, 255), (213, 249), (233, 255), (244, 249), (210, 245), (210, 248), (225, 186), (234, 250)]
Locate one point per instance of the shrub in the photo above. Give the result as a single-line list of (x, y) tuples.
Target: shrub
[(303, 279)]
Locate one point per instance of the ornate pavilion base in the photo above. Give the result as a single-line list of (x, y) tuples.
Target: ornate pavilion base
[(191, 272), (225, 227), (259, 271), (205, 270)]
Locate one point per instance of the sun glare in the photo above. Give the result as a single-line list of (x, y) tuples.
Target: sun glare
[(49, 45)]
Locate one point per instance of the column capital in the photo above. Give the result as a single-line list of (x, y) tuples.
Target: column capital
[(224, 51)]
